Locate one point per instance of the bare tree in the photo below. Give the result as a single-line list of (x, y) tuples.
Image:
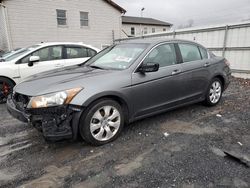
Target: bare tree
[(180, 26), (246, 19), (190, 23)]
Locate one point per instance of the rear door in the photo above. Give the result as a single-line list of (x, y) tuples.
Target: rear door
[(195, 70), (159, 90), (76, 54), (50, 58)]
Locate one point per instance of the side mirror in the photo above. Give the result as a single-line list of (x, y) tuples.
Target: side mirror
[(149, 67), (32, 60)]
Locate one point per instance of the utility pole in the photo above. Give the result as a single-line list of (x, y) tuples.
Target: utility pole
[(142, 11), (141, 17)]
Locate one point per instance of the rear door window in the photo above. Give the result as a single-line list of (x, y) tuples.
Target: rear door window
[(76, 52), (91, 52), (189, 52), (203, 53)]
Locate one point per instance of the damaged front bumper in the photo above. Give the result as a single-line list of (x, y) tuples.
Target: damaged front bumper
[(56, 123), (15, 112)]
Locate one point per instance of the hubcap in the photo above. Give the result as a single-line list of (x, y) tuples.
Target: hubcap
[(105, 123), (215, 92)]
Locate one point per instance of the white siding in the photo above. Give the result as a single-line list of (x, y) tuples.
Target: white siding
[(35, 21), (138, 28), (3, 30)]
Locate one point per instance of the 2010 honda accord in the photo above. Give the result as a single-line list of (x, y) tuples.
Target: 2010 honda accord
[(123, 83)]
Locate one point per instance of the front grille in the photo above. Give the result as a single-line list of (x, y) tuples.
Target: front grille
[(49, 111), (21, 101)]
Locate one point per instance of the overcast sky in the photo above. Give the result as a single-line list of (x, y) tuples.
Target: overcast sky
[(179, 12)]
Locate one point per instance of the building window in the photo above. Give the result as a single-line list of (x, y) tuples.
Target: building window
[(61, 17), (153, 30), (132, 31), (164, 29), (145, 30), (84, 18)]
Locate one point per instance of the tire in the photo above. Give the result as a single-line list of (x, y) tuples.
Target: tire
[(102, 122), (214, 92), (6, 87)]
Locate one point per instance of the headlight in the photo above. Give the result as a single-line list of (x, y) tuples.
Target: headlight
[(53, 99)]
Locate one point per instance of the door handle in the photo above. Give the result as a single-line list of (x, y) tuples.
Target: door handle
[(207, 64), (177, 71)]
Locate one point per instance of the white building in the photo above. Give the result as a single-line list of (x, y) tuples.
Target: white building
[(138, 26), (26, 22)]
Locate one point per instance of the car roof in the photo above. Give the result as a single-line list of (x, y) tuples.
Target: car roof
[(152, 41), (45, 44)]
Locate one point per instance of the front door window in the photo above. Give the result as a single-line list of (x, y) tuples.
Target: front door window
[(164, 55)]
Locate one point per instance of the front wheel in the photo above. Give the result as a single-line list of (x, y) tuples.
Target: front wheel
[(102, 122), (214, 93)]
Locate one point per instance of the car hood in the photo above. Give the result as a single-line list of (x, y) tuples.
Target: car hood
[(59, 80)]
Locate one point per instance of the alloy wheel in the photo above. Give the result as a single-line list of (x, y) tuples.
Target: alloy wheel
[(215, 92), (105, 123)]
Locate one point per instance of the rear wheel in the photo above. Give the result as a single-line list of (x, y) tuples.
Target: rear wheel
[(214, 93), (6, 87), (102, 122)]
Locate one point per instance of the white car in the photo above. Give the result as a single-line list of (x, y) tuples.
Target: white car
[(39, 58)]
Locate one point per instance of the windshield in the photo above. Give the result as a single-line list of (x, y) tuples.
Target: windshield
[(20, 52), (119, 57), (6, 54)]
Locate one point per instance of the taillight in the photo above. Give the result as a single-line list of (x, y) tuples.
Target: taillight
[(227, 62)]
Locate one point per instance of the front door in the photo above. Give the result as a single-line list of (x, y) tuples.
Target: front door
[(156, 91)]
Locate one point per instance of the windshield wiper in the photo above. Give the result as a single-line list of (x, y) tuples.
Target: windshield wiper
[(96, 67)]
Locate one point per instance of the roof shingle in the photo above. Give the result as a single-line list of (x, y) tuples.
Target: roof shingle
[(118, 7), (143, 21)]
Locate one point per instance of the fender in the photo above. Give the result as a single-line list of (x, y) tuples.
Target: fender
[(106, 94)]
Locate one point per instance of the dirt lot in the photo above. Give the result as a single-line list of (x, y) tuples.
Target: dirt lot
[(188, 155)]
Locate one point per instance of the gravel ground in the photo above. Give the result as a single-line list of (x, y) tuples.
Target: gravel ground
[(181, 148)]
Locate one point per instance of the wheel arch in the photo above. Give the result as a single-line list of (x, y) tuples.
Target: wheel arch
[(80, 129), (116, 96), (113, 96), (8, 79), (221, 78)]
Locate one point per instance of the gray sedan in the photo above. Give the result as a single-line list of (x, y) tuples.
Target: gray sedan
[(121, 84)]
